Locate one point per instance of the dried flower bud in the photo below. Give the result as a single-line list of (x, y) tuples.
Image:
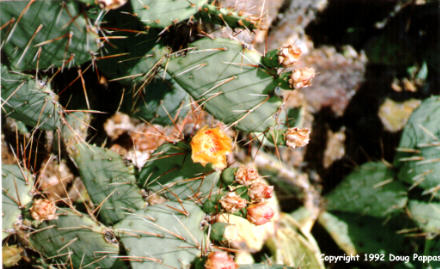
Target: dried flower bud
[(259, 191), (289, 55), (231, 202), (220, 260), (43, 209), (296, 137), (260, 213), (245, 175), (302, 77)]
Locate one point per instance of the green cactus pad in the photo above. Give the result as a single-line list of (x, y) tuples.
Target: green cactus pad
[(162, 236), (23, 39), (228, 80), (362, 234), (16, 185), (369, 190), (162, 103), (426, 215), (228, 17), (171, 172), (75, 239), (418, 153), (164, 13), (109, 183), (28, 100)]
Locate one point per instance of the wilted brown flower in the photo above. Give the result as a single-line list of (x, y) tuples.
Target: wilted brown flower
[(231, 202), (302, 77), (259, 191), (246, 175), (43, 209), (297, 137), (289, 55)]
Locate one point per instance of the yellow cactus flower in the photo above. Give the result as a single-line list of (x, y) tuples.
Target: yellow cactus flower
[(210, 145)]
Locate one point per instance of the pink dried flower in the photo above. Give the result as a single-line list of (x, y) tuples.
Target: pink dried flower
[(297, 137), (231, 202), (259, 191), (245, 175), (260, 213)]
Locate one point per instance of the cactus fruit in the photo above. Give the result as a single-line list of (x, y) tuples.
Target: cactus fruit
[(369, 190), (17, 184), (60, 38), (417, 155)]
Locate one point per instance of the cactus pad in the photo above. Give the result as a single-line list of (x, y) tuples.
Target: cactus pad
[(369, 190), (60, 37), (228, 80), (362, 234), (17, 185), (165, 12), (163, 236), (76, 240), (426, 215), (418, 154), (29, 100), (109, 183), (171, 172)]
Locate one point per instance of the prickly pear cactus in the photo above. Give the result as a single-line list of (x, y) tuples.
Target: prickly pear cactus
[(369, 190), (29, 100), (163, 236), (417, 155), (171, 172), (62, 37), (77, 240), (17, 184), (241, 95), (109, 183)]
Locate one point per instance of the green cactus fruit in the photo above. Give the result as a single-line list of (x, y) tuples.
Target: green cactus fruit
[(75, 240), (166, 235), (110, 184), (417, 157), (426, 215), (29, 100), (172, 173), (294, 247), (164, 13), (42, 34), (163, 102), (369, 190), (228, 17), (229, 81), (17, 184), (362, 234), (228, 175)]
